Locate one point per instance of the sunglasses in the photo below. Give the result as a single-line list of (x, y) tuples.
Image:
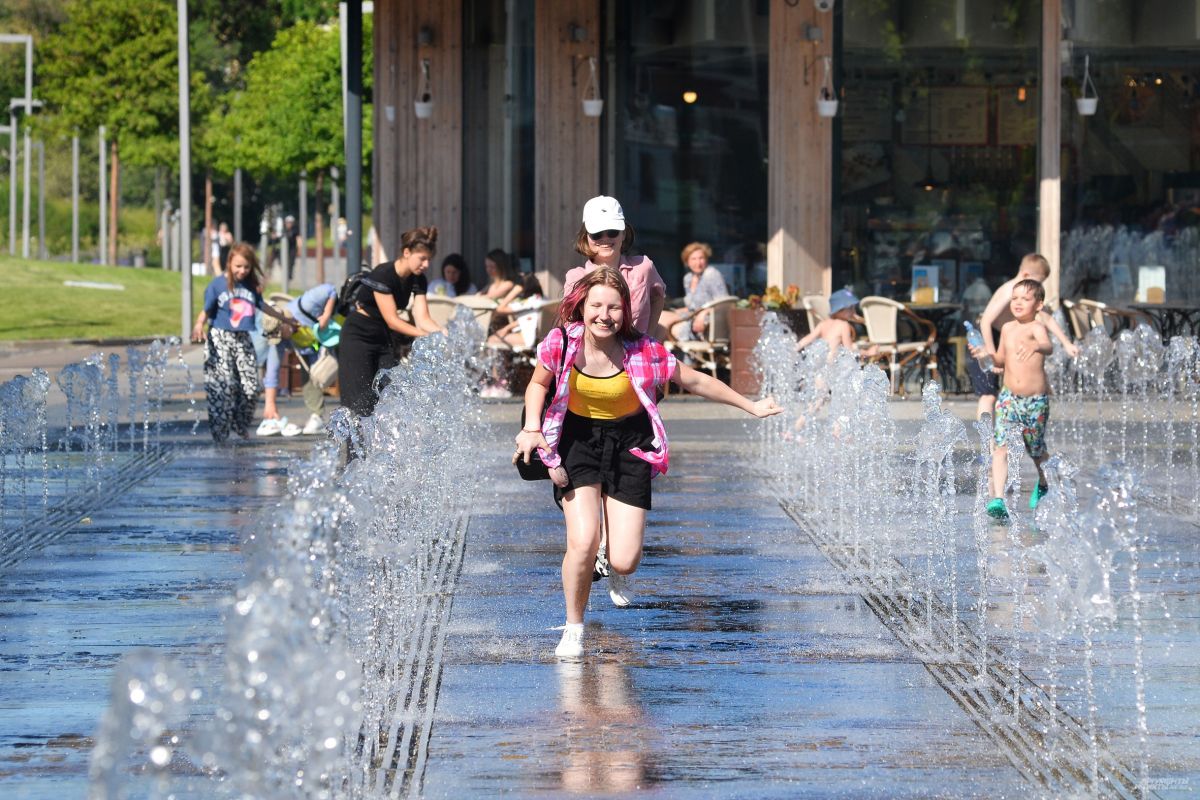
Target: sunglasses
[(604, 235)]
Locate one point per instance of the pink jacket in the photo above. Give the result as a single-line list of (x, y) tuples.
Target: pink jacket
[(648, 364), (644, 285)]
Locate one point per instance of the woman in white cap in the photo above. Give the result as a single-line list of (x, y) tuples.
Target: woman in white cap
[(604, 239)]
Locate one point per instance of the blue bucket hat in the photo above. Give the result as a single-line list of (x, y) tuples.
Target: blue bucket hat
[(842, 298)]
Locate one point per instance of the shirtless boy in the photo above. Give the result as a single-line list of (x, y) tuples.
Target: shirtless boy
[(995, 316), (1024, 400), (836, 331)]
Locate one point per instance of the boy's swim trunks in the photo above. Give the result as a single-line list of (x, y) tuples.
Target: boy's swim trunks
[(1027, 413)]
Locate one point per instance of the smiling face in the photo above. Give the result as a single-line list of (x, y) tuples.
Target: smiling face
[(239, 267), (697, 261), (603, 312), (1024, 306), (606, 244)]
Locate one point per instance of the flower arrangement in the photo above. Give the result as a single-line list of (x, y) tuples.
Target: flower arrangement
[(773, 299)]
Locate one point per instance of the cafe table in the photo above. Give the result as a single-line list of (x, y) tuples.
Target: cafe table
[(1171, 319), (945, 320)]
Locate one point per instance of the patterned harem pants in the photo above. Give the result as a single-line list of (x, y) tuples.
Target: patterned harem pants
[(231, 382)]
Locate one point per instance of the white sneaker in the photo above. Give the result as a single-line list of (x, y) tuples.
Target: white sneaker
[(620, 589), (269, 427), (288, 429), (571, 643), (314, 426)]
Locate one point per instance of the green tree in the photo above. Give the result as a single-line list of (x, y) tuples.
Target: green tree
[(114, 63), (288, 119)]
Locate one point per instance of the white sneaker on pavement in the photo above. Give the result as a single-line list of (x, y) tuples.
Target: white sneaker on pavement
[(620, 589), (314, 426), (288, 429), (571, 643), (269, 427)]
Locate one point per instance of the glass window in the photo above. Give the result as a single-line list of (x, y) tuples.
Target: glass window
[(498, 119), (691, 132), (1131, 167), (935, 146)]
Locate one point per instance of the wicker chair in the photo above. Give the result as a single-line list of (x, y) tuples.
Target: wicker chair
[(882, 316), (711, 352)]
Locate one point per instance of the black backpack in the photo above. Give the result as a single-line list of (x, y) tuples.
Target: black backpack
[(348, 294)]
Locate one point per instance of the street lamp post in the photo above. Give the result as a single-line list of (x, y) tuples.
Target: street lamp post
[(28, 102), (185, 170)]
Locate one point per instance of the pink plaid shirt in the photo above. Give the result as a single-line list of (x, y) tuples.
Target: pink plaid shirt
[(648, 364)]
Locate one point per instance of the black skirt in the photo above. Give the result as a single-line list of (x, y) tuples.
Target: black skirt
[(596, 451)]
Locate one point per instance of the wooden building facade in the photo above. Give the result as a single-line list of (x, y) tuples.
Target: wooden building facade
[(956, 142)]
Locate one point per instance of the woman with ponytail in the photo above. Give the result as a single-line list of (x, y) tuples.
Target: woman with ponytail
[(366, 344)]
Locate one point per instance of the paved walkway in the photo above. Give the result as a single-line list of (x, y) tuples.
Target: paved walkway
[(150, 567), (744, 669)]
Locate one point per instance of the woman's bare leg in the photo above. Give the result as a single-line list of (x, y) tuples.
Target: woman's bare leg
[(626, 527), (581, 509)]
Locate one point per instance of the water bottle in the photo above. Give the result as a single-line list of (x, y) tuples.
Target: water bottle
[(975, 339)]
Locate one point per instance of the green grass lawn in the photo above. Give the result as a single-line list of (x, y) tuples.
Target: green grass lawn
[(34, 303)]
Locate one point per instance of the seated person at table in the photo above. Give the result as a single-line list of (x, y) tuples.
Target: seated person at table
[(836, 331), (995, 316), (701, 286)]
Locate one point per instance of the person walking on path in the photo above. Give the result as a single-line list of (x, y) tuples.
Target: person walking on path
[(231, 382), (604, 239), (602, 437), (366, 345)]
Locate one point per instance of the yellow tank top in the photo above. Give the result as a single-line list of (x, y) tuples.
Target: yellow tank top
[(602, 398)]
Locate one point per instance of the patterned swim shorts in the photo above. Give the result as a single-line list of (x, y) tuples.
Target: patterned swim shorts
[(1027, 413)]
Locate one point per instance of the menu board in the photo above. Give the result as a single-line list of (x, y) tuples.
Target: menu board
[(1016, 122), (959, 116), (867, 114)]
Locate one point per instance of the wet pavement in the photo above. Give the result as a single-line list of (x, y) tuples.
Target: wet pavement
[(151, 567), (747, 666)]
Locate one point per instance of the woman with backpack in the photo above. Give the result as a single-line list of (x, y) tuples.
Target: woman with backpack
[(374, 318)]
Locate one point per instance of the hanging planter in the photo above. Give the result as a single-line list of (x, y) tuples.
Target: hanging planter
[(593, 104), (827, 102), (423, 105), (1085, 103)]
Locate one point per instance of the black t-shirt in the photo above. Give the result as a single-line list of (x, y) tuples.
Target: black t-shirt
[(383, 279)]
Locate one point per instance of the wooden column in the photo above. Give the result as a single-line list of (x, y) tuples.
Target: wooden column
[(566, 151), (800, 147), (1050, 145), (418, 162)]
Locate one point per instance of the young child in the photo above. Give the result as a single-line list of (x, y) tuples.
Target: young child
[(1024, 400), (995, 316), (836, 331)]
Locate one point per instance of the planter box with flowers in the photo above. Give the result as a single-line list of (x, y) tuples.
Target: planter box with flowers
[(745, 324)]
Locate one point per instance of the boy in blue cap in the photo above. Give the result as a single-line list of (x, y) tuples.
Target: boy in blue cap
[(836, 331)]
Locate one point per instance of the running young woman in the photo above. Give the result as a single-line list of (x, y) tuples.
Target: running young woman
[(366, 344), (602, 436), (231, 382)]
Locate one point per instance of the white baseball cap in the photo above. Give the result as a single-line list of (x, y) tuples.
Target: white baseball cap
[(603, 214)]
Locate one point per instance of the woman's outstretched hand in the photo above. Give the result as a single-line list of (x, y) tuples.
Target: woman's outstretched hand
[(766, 407)]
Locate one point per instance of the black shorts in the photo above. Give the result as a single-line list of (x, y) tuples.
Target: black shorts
[(596, 451), (982, 383)]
